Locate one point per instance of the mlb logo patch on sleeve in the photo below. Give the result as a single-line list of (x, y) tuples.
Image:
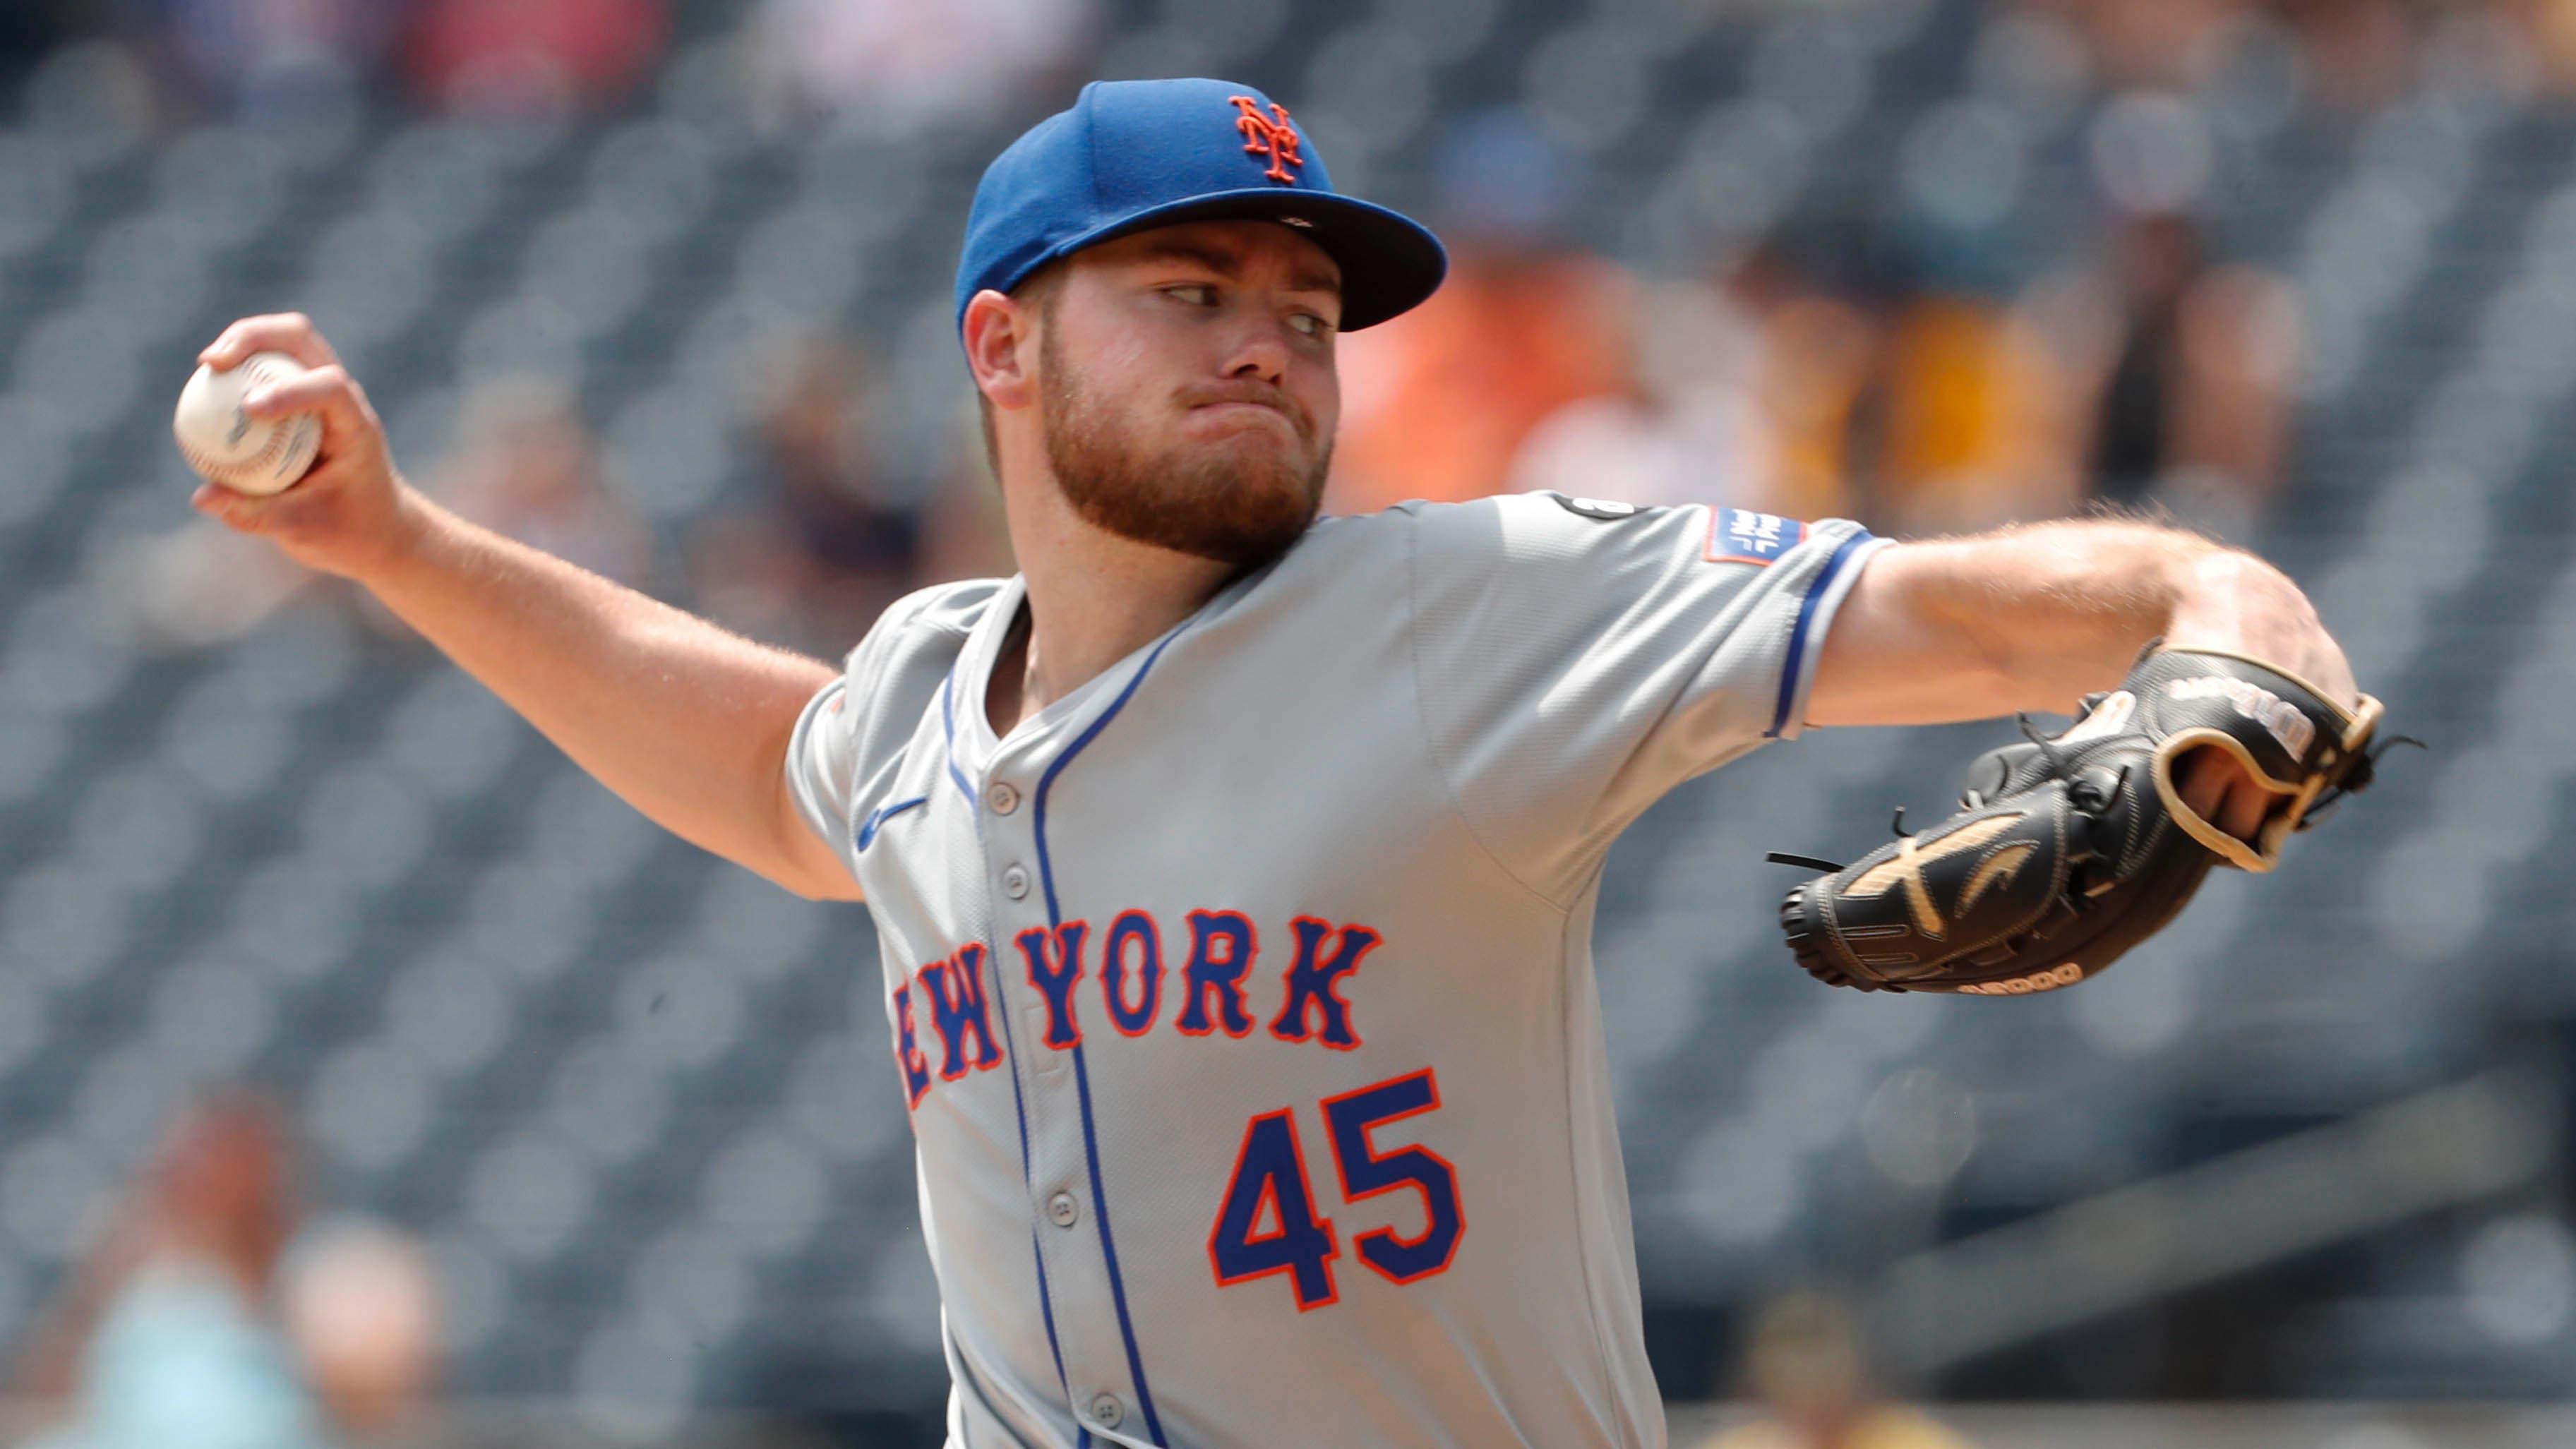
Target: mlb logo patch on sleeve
[(1739, 535)]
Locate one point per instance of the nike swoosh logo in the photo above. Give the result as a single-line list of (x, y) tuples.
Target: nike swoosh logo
[(1997, 870), (1905, 869)]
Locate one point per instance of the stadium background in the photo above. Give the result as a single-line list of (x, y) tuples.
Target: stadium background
[(663, 286)]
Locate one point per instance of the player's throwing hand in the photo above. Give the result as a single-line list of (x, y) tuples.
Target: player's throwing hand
[(350, 511)]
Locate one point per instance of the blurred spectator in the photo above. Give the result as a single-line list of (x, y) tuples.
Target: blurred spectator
[(899, 66), (2353, 56), (361, 1306), (1742, 394), (530, 57), (524, 464), (521, 462), (2152, 42), (834, 542), (1819, 351), (1688, 426), (2179, 369), (962, 532), (196, 586), (2357, 55), (272, 57), (2551, 28), (1962, 421), (1804, 1366), (1437, 402), (167, 1335)]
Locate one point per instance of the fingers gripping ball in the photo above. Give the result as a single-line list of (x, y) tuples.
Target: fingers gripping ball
[(2069, 851), (226, 445)]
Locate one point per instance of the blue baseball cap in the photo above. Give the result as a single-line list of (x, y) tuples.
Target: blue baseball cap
[(1131, 155)]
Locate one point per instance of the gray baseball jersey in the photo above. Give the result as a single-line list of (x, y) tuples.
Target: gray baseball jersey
[(1243, 997)]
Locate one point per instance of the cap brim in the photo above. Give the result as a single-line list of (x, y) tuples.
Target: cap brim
[(1390, 262)]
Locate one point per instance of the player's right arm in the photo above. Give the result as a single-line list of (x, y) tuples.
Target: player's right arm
[(683, 720)]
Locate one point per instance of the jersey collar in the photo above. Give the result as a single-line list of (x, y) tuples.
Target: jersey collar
[(970, 681)]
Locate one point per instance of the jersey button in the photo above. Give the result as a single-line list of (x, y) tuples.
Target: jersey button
[(1015, 882), (1062, 1210), (1002, 797), (1107, 1411)]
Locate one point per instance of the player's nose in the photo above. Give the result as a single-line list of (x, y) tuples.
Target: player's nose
[(1258, 349)]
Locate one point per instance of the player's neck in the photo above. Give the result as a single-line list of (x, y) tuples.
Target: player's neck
[(1094, 599)]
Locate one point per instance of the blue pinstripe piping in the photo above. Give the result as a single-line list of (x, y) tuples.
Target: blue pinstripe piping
[(876, 822), (1081, 1074), (1019, 1105), (1046, 1300), (1798, 636), (948, 721)]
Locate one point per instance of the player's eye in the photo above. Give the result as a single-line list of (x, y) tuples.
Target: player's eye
[(1310, 324), (1197, 294)]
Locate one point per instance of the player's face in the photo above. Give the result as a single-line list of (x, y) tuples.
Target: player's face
[(1187, 389)]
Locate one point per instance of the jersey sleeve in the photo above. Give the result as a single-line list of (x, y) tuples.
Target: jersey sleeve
[(822, 760), (850, 737), (1576, 659)]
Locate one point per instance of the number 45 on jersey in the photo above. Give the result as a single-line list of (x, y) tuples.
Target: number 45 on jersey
[(1269, 1223)]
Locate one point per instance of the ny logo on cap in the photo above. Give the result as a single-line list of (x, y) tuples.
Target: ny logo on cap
[(1272, 135)]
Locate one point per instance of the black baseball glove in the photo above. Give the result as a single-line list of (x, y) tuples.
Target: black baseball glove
[(2071, 850)]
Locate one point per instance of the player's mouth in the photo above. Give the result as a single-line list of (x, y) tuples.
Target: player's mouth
[(1246, 404), (1246, 411)]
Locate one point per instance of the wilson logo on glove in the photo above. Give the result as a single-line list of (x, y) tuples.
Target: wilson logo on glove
[(2260, 705)]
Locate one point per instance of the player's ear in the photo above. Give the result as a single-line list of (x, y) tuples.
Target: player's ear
[(1001, 348)]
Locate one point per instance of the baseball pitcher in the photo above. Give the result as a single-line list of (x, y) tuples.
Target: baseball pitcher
[(1235, 869)]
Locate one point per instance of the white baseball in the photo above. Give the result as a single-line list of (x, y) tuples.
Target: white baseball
[(228, 446)]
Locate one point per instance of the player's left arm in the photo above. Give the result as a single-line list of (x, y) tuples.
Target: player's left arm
[(2034, 616)]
